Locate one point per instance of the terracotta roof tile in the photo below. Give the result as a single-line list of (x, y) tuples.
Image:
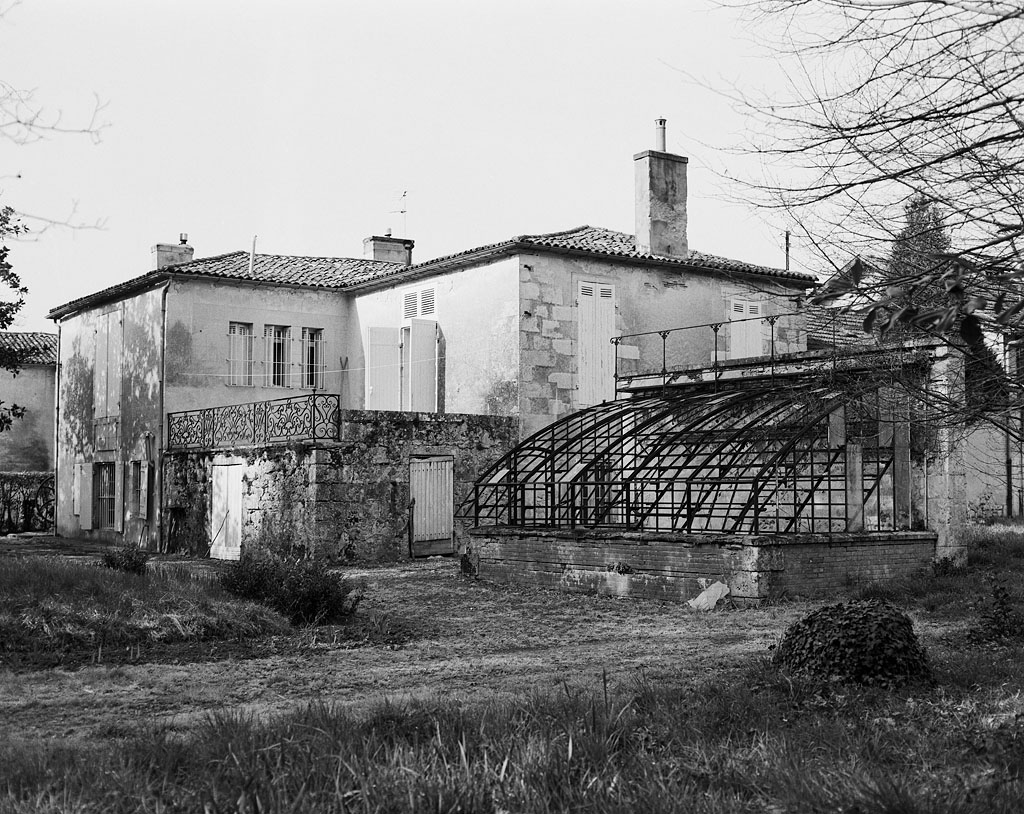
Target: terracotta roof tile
[(320, 272), (32, 348), (609, 243)]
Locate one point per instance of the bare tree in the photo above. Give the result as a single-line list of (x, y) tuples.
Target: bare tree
[(895, 101)]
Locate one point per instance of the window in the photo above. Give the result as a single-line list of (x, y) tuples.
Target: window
[(134, 499), (403, 367), (104, 484), (277, 362), (107, 366), (595, 354), (745, 334), (418, 303), (313, 358), (240, 354)]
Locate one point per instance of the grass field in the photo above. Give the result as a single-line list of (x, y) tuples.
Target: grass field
[(515, 700)]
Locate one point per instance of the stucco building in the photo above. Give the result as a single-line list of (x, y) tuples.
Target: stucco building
[(182, 357)]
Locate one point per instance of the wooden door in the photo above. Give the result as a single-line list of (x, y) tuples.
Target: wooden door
[(432, 490), (226, 517)]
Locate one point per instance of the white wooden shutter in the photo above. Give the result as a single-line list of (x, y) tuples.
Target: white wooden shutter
[(99, 372), (422, 358), (118, 496), (86, 496), (383, 369), (114, 343), (745, 337), (144, 490), (595, 354)]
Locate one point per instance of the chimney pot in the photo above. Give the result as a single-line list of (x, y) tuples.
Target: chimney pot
[(183, 238), (659, 135)]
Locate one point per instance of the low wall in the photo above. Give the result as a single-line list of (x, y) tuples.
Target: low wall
[(340, 499), (677, 567), (26, 501)]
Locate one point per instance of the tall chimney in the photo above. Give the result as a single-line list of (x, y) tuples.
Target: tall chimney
[(169, 254), (389, 249), (661, 200)]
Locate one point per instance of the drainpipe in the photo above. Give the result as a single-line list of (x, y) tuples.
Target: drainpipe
[(158, 476)]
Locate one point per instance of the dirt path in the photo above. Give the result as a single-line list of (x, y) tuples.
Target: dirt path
[(463, 638)]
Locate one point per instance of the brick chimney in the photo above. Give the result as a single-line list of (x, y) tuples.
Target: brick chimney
[(168, 254), (661, 200), (388, 248)]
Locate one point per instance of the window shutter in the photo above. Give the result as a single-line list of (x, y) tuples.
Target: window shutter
[(423, 366), (383, 369), (595, 354), (745, 336), (114, 363), (426, 302), (144, 490), (85, 495), (99, 371), (409, 305), (118, 496)]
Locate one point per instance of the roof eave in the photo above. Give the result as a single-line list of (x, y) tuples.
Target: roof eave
[(115, 292)]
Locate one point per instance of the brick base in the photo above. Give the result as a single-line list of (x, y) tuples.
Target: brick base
[(677, 567)]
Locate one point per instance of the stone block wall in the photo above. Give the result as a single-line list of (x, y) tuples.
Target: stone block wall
[(346, 499), (678, 567)]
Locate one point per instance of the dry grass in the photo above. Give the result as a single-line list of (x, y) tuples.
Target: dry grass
[(53, 608)]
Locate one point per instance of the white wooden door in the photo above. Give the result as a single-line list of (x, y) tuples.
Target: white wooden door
[(595, 354), (432, 490), (226, 517), (746, 336)]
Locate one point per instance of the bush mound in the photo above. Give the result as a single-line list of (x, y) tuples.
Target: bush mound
[(130, 559), (304, 590), (868, 642)]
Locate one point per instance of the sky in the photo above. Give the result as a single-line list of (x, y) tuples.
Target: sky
[(303, 123)]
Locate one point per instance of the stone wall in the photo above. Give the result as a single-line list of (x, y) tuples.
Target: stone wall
[(347, 499), (677, 567)]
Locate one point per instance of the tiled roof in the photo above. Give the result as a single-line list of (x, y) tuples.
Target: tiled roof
[(320, 272), (348, 272), (834, 327), (609, 243), (316, 272), (32, 348)]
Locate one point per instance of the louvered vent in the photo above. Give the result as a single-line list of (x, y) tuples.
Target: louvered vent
[(426, 301), (409, 308)]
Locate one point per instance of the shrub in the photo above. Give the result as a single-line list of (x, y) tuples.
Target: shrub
[(304, 590), (1001, 620), (863, 642), (129, 558)]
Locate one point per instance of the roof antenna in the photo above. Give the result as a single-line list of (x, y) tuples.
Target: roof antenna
[(787, 250), (402, 210), (252, 256)]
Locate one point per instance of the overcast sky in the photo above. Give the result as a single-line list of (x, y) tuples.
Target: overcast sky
[(303, 123)]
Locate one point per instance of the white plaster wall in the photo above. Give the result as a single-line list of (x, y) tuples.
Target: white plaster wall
[(477, 310), (28, 445), (198, 316)]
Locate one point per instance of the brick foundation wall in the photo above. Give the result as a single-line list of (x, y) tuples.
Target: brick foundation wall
[(677, 567)]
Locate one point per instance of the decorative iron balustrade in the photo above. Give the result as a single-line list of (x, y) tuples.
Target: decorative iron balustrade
[(300, 418)]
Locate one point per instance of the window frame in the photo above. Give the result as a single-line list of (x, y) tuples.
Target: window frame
[(240, 370), (313, 366), (277, 368)]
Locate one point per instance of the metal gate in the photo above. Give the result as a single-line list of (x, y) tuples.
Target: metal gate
[(432, 490)]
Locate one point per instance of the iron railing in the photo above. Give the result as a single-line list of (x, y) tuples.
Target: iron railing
[(675, 349), (300, 418)]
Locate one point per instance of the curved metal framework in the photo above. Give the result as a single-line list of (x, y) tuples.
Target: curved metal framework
[(757, 459)]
